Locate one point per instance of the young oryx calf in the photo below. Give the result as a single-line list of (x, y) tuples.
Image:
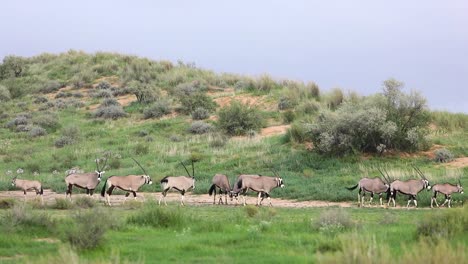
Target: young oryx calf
[(87, 181), (257, 183), (447, 189), (129, 183), (27, 185), (221, 182)]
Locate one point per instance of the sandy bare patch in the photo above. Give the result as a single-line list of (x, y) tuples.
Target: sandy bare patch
[(274, 130), (458, 163)]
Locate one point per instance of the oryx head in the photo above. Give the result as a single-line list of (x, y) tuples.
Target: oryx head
[(147, 179), (233, 195), (13, 181), (279, 182), (425, 181), (146, 176), (100, 171)]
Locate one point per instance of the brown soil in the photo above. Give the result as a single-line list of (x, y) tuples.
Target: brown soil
[(274, 130), (174, 198), (458, 163)]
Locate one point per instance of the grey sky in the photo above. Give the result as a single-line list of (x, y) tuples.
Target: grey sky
[(354, 45)]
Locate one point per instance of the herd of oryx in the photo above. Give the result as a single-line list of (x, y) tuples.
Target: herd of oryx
[(410, 187), (263, 185)]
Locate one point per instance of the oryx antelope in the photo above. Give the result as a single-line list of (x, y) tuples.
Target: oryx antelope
[(129, 184), (27, 185), (87, 181), (180, 183), (263, 185), (409, 187), (447, 189), (220, 182), (372, 186)]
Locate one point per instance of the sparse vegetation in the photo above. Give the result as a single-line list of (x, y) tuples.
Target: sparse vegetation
[(238, 119)]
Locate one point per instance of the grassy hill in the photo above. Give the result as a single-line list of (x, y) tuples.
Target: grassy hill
[(60, 111)]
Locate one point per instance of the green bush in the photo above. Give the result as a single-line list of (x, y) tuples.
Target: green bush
[(200, 113), (444, 224), (200, 127), (20, 216), (84, 202), (88, 228), (443, 155), (190, 102), (238, 119), (333, 221), (158, 217), (288, 117), (7, 203), (110, 112), (157, 110), (62, 204), (50, 86), (37, 131)]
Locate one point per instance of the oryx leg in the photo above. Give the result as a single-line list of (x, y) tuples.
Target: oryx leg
[(182, 197), (446, 200), (214, 196), (258, 198), (359, 197), (225, 197), (91, 192), (108, 194), (163, 197), (69, 191), (24, 191), (450, 201), (371, 198), (134, 195), (410, 199), (415, 201), (380, 199), (126, 195), (434, 199)]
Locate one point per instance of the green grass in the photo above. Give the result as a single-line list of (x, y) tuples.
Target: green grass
[(214, 233)]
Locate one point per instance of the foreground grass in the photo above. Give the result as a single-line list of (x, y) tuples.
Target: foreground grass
[(231, 234)]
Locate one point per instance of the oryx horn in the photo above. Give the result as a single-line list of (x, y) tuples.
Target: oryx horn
[(140, 166), (185, 168), (383, 175)]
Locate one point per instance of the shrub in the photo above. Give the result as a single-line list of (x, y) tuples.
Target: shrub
[(84, 202), (157, 110), (284, 103), (40, 100), (110, 102), (21, 216), (159, 217), (333, 221), (5, 95), (47, 120), (37, 131), (218, 140), (63, 95), (200, 127), (444, 224), (110, 112), (103, 94), (63, 141), (308, 107), (335, 98), (251, 210), (288, 117), (443, 155), (62, 204), (50, 87), (88, 229), (72, 132), (192, 101), (237, 119), (7, 203), (175, 138), (104, 85), (200, 113), (145, 92)]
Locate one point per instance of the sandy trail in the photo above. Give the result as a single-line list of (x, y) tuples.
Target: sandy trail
[(174, 198)]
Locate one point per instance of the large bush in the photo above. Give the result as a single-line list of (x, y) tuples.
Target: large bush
[(193, 100), (393, 120), (157, 110), (237, 119)]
